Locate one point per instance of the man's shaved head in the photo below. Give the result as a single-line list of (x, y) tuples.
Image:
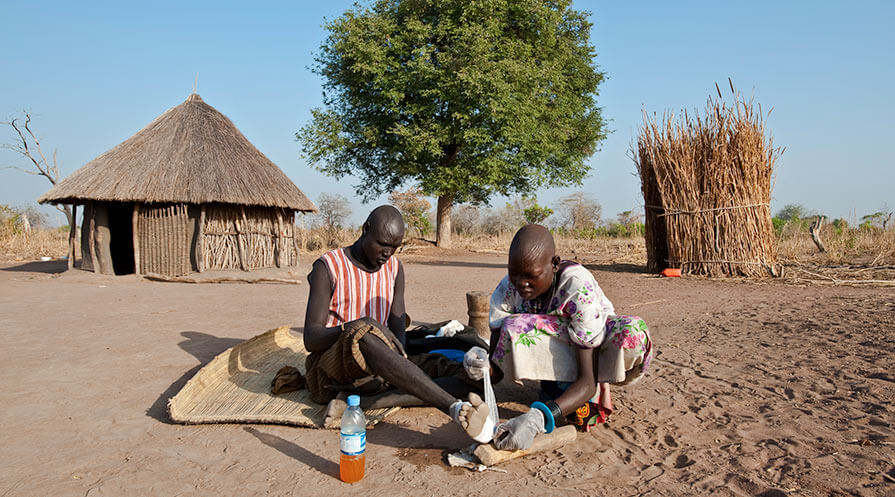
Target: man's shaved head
[(531, 244), (385, 220)]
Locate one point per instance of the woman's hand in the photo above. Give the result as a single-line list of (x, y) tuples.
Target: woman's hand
[(475, 362), (519, 433)]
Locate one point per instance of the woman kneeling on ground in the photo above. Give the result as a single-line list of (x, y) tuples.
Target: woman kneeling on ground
[(551, 322)]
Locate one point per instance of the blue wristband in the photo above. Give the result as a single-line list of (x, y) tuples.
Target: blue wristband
[(549, 422)]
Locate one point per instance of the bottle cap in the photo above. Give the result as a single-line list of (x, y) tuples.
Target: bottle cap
[(353, 400)]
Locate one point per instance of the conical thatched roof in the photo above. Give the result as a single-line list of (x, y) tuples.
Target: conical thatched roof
[(192, 154)]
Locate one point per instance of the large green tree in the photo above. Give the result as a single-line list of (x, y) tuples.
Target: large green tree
[(464, 98)]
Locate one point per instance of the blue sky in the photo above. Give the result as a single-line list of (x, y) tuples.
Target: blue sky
[(95, 73)]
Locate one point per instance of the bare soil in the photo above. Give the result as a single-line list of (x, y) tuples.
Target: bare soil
[(760, 389)]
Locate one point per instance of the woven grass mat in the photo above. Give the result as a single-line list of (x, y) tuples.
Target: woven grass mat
[(235, 387)]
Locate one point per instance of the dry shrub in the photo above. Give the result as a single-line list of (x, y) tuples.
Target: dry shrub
[(320, 239), (20, 246), (601, 249), (871, 246)]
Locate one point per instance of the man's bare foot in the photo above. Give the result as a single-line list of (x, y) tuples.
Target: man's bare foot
[(334, 410), (473, 417)]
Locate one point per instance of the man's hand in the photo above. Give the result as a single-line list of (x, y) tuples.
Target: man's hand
[(519, 432), (387, 332), (475, 362)]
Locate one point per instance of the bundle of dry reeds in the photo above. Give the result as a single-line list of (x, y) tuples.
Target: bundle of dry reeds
[(706, 184)]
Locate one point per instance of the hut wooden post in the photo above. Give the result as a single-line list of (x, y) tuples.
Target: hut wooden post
[(71, 235), (248, 252), (135, 228), (200, 241), (102, 239), (240, 245), (91, 236), (281, 244), (295, 246)]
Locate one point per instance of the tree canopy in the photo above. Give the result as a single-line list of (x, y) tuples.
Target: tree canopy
[(464, 98)]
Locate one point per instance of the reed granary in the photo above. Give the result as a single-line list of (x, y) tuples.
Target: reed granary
[(706, 184), (187, 193)]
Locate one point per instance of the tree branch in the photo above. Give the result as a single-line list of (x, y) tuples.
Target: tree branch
[(21, 169), (44, 168)]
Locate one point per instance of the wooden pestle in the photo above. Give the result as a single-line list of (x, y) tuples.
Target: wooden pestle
[(490, 456), (477, 305)]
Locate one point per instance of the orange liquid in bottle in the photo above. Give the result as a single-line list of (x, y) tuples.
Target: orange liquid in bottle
[(351, 468)]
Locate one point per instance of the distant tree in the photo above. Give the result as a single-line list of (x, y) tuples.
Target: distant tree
[(465, 99), (629, 218), (793, 212), (466, 219), (879, 219), (840, 225), (536, 214), (577, 212), (28, 146), (414, 208), (332, 211)]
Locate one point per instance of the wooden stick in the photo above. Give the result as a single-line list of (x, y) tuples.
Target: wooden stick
[(281, 244), (222, 279), (559, 437), (295, 246), (200, 242), (240, 245), (135, 230)]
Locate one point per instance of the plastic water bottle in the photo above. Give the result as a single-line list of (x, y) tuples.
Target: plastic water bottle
[(353, 442)]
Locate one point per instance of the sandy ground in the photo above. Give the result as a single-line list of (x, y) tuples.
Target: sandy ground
[(760, 389)]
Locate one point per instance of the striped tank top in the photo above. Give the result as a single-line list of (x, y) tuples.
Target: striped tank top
[(358, 293)]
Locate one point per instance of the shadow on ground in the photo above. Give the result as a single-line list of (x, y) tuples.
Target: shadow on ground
[(290, 449), (617, 268), (461, 264), (46, 267), (204, 348)]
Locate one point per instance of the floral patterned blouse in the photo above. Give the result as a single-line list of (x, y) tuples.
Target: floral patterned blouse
[(576, 299)]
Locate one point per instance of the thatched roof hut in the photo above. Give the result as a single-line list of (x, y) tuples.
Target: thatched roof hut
[(186, 193)]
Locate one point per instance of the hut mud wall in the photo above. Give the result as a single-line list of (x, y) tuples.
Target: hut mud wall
[(247, 238)]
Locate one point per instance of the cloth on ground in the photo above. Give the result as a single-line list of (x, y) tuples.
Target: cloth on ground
[(287, 379)]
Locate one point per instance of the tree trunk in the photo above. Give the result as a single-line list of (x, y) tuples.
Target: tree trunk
[(815, 233), (67, 210), (443, 221)]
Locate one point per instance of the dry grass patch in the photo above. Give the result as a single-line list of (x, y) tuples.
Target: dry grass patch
[(20, 246)]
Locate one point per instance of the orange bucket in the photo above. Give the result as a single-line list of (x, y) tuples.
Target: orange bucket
[(672, 272)]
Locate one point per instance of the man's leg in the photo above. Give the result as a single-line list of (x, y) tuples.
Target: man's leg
[(402, 373), (405, 375)]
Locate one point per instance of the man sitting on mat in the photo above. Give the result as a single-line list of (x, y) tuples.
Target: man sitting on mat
[(355, 326)]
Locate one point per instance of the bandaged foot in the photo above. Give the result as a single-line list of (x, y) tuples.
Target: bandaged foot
[(334, 410), (473, 417)]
